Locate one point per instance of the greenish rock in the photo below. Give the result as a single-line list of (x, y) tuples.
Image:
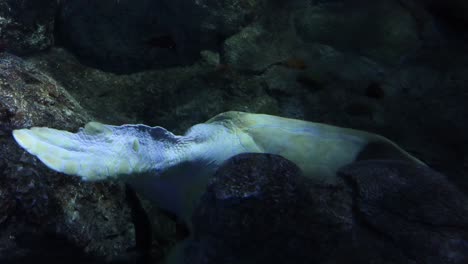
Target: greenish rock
[(382, 30), (284, 85), (281, 79), (210, 57), (226, 17), (255, 48)]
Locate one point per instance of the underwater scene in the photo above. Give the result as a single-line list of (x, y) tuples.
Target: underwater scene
[(233, 131)]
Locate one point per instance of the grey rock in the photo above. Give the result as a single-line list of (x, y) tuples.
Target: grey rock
[(46, 216), (27, 26), (259, 209), (32, 98)]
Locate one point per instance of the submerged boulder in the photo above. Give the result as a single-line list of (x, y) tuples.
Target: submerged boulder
[(405, 213), (45, 216), (251, 212), (259, 209), (27, 26), (385, 30), (127, 36)]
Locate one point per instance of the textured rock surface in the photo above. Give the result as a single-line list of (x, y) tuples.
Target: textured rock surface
[(127, 36), (255, 48), (27, 26), (175, 98), (119, 35), (413, 212), (47, 217), (251, 213), (30, 97), (383, 31), (259, 209)]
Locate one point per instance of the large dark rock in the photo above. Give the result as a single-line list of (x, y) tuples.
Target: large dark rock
[(119, 35), (251, 213), (27, 26), (383, 30), (259, 209), (407, 214), (128, 36), (45, 216)]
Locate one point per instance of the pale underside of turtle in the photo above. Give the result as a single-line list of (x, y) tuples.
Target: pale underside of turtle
[(173, 171)]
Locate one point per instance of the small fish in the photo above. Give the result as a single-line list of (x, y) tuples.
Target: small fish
[(162, 42), (295, 63)]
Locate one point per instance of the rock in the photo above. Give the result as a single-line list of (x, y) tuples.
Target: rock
[(259, 209), (119, 36), (222, 18), (281, 80), (249, 214), (46, 216), (174, 98), (32, 98), (128, 36), (27, 26), (440, 140), (255, 48), (413, 211), (384, 31), (210, 58)]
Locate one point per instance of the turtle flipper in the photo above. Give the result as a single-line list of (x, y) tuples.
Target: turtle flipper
[(96, 152)]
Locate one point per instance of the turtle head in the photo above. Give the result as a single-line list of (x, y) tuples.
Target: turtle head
[(99, 151)]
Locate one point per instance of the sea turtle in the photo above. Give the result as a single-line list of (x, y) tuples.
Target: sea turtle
[(173, 170)]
